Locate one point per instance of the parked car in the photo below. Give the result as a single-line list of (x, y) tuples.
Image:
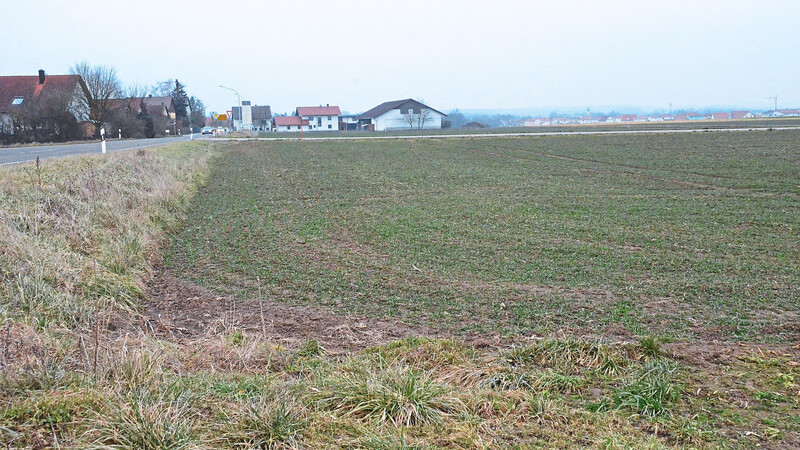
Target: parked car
[(221, 130), (207, 130)]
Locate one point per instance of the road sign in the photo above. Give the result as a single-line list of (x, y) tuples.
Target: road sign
[(221, 117)]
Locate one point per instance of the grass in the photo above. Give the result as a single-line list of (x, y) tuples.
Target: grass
[(674, 236), (511, 238)]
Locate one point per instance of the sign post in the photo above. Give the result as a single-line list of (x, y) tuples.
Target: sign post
[(103, 140)]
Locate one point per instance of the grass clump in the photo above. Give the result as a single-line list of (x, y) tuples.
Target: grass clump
[(142, 419), (650, 391), (265, 424), (399, 395)]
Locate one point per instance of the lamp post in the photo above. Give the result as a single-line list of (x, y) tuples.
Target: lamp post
[(238, 98)]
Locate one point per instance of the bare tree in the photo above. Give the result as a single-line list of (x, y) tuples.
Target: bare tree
[(102, 85), (410, 117), (423, 116)]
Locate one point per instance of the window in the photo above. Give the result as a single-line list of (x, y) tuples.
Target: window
[(319, 121), (330, 126), (17, 101)]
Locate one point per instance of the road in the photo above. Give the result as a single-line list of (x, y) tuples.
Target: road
[(14, 155)]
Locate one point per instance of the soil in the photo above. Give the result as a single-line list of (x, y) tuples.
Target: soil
[(182, 310)]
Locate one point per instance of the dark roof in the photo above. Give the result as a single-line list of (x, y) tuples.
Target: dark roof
[(258, 112), (165, 102), (383, 108), (29, 89)]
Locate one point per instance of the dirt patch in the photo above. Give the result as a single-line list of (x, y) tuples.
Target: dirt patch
[(182, 310)]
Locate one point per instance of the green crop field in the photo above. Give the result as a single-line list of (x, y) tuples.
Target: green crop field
[(691, 236), (574, 291)]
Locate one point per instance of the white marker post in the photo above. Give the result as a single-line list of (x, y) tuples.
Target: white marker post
[(191, 133), (103, 140), (120, 133)]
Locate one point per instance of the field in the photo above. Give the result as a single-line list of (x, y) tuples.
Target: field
[(680, 237), (617, 291)]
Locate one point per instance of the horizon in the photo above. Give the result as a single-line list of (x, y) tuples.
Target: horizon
[(451, 55)]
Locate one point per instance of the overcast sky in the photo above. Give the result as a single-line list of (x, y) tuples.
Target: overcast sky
[(453, 54)]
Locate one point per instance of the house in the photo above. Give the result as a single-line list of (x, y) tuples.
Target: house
[(720, 116), (742, 115), (627, 118), (614, 119), (539, 122), (789, 112), (660, 117), (561, 121), (587, 120), (320, 118), (251, 117), (348, 123), (43, 106), (401, 115), (161, 106), (289, 123)]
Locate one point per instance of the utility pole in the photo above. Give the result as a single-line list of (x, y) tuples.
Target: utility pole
[(775, 110)]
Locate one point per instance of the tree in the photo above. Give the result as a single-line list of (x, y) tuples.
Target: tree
[(410, 117), (181, 101), (197, 114), (163, 88), (423, 116), (102, 85)]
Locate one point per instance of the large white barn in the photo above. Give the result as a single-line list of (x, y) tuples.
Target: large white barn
[(405, 114)]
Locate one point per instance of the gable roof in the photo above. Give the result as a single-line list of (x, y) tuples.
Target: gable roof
[(385, 107), (318, 111), (28, 87), (165, 102), (285, 121), (257, 112)]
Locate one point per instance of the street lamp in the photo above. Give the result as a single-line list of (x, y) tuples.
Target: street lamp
[(238, 98)]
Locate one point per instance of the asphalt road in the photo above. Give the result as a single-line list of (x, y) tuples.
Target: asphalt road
[(14, 155)]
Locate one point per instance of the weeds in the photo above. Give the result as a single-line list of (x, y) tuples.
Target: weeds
[(395, 394)]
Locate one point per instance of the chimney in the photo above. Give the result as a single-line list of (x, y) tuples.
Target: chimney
[(41, 76)]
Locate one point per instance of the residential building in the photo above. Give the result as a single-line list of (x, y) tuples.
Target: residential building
[(251, 117), (289, 123), (401, 115), (320, 118), (538, 122), (742, 115), (43, 106), (348, 123)]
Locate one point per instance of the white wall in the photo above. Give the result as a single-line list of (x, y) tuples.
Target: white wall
[(394, 120), (284, 128), (333, 121)]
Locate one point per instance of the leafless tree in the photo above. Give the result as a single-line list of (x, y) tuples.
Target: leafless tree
[(411, 118), (423, 116), (102, 85)]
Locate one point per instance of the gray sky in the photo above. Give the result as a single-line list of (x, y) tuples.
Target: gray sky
[(453, 54)]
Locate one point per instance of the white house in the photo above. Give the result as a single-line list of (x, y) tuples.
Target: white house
[(320, 118), (401, 115), (289, 123), (538, 122)]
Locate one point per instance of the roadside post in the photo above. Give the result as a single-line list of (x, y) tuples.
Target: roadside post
[(120, 133), (103, 140), (191, 133)]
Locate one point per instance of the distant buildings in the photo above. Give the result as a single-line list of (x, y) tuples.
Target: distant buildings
[(682, 117), (407, 114)]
